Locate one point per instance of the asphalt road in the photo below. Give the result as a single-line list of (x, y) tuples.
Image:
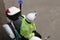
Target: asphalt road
[(48, 15)]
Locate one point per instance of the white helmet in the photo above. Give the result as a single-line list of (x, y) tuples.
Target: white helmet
[(35, 38), (13, 13), (31, 16)]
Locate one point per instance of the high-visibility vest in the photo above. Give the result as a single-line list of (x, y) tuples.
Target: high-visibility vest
[(27, 28)]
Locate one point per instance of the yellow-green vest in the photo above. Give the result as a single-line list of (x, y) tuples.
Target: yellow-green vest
[(27, 29)]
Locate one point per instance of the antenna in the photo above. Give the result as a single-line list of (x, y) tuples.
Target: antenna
[(20, 2)]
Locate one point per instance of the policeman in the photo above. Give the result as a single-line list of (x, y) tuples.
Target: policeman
[(28, 28)]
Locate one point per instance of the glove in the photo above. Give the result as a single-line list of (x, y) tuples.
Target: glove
[(35, 38), (30, 36)]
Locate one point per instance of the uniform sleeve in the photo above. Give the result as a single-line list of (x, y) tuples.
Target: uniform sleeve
[(34, 26), (26, 32)]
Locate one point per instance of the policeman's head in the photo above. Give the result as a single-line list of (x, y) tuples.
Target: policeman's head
[(13, 13), (31, 16)]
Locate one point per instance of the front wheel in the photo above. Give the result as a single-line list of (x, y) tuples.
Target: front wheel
[(35, 38)]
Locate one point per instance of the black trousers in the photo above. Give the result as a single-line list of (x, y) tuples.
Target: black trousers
[(36, 34)]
